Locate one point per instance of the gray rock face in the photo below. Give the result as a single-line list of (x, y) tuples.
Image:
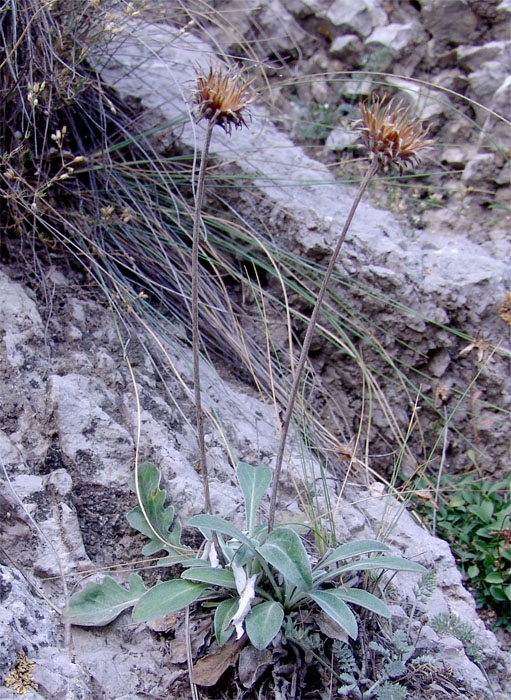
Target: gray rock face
[(345, 17), (479, 168), (124, 661), (449, 21), (474, 58), (26, 622), (285, 34), (399, 45), (452, 281), (68, 426), (394, 37), (495, 128), (488, 68), (356, 18), (340, 139), (347, 47)]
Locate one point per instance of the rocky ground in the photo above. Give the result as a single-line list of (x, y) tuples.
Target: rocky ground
[(67, 445), (67, 436)]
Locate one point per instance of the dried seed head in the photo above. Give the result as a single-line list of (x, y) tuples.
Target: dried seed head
[(222, 96), (390, 134)]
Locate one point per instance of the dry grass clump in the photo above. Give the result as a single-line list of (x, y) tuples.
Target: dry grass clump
[(77, 174)]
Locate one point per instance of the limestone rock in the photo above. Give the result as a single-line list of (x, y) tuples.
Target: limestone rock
[(27, 622), (356, 17), (375, 240), (347, 47), (474, 57), (283, 35), (479, 168), (393, 39), (110, 662), (501, 104), (340, 139), (449, 21), (485, 83), (423, 102), (68, 431)]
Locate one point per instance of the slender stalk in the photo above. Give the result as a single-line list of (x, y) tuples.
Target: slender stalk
[(308, 339), (199, 416), (441, 469)]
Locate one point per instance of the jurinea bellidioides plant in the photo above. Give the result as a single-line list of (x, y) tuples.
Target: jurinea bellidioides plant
[(258, 579)]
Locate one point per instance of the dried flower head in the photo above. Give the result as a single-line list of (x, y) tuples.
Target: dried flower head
[(390, 134), (222, 97), (479, 346)]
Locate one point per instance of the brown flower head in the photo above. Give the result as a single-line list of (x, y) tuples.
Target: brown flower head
[(222, 96), (390, 134)]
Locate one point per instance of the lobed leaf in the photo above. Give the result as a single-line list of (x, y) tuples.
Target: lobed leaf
[(160, 517)]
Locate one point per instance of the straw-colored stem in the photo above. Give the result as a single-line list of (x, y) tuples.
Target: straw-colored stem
[(308, 339), (199, 416)]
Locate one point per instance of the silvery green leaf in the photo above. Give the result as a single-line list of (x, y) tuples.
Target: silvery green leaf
[(243, 556), (284, 550), (223, 619), (100, 603), (195, 562), (213, 522), (210, 575), (263, 623), (331, 603), (389, 563), (162, 532), (353, 549), (254, 482), (166, 597), (365, 599)]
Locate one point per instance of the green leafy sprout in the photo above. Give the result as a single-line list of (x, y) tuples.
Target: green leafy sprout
[(476, 521), (256, 582)]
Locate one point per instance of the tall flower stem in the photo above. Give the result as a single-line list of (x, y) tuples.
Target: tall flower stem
[(308, 339), (221, 97), (199, 415)]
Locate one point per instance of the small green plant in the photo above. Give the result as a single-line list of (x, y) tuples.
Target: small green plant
[(315, 121), (451, 624), (257, 581), (392, 656), (476, 521), (395, 656)]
